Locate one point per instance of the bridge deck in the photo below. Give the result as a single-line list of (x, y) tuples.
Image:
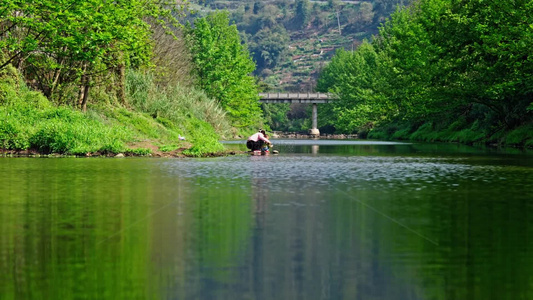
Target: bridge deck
[(295, 98)]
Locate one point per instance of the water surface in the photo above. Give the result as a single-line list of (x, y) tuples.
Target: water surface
[(321, 220)]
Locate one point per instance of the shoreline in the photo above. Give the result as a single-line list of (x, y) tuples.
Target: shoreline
[(326, 136), (303, 135), (178, 153)]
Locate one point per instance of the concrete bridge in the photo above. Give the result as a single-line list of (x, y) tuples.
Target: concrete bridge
[(311, 98)]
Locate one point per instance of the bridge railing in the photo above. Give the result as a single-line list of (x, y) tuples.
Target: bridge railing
[(310, 98), (317, 96)]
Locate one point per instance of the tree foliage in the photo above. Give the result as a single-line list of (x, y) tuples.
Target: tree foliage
[(223, 67), (437, 60), (60, 43), (353, 76), (302, 14), (280, 27), (269, 47)]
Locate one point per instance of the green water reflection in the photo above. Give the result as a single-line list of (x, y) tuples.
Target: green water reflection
[(343, 222)]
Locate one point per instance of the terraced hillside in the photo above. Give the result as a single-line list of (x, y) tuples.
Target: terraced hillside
[(292, 40)]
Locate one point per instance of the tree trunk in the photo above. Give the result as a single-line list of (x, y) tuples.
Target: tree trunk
[(339, 22), (57, 73), (81, 93), (85, 96), (120, 72)]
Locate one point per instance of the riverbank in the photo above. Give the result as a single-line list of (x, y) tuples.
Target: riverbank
[(457, 132), (303, 135), (157, 122), (155, 152), (102, 131), (521, 137)]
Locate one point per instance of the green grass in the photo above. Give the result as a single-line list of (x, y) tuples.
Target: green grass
[(204, 137), (168, 148), (458, 131), (185, 111), (77, 134), (30, 121), (521, 136), (58, 130), (140, 151)]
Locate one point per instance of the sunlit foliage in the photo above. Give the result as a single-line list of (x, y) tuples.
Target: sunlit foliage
[(223, 67), (438, 61)]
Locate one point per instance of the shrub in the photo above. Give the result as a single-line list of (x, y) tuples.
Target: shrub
[(176, 104), (12, 134), (401, 134), (423, 133), (204, 138), (139, 151), (520, 136), (29, 120)]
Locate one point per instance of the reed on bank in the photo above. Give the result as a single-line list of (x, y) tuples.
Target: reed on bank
[(155, 116)]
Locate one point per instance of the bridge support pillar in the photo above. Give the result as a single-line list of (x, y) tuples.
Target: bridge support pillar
[(314, 130)]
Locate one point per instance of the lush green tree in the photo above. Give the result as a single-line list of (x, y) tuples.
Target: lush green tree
[(438, 60), (60, 43), (406, 65), (223, 67), (258, 6), (302, 14), (276, 116), (488, 55), (354, 78), (269, 47), (463, 55)]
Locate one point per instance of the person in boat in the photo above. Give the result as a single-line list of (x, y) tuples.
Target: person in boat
[(257, 141)]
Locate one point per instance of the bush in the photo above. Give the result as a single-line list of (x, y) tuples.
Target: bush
[(204, 138), (521, 136), (12, 134), (423, 132), (30, 121), (402, 134), (67, 131), (176, 104), (139, 151)]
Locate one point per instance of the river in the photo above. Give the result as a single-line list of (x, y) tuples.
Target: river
[(323, 219)]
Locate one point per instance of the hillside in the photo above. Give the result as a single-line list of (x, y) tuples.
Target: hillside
[(100, 78), (291, 41)]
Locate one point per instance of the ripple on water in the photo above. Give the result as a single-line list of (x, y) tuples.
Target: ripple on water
[(356, 171)]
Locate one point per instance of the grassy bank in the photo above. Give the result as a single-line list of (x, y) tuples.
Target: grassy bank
[(151, 123), (458, 131)]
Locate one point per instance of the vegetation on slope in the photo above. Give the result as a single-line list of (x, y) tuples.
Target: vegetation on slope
[(291, 41), (439, 71), (99, 77), (223, 67), (31, 122)]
